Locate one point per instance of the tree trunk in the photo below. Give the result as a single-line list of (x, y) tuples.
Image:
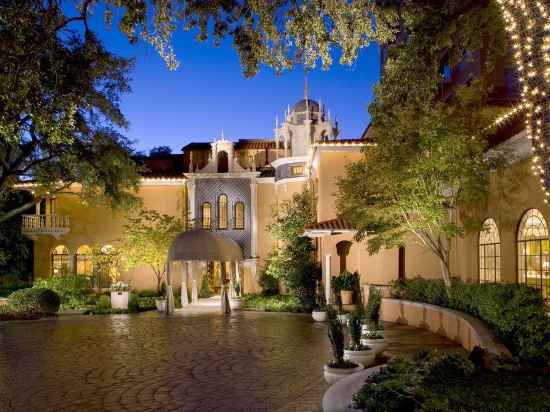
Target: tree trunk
[(445, 273)]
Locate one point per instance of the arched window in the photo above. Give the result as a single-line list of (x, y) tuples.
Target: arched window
[(84, 260), (60, 260), (206, 216), (223, 162), (489, 252), (533, 252), (239, 215), (222, 212)]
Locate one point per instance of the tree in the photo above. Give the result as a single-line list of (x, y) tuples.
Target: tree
[(15, 249), (160, 151), (146, 238), (293, 261), (276, 33), (429, 156), (59, 108)]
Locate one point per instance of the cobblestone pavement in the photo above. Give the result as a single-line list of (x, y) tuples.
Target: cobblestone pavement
[(202, 362)]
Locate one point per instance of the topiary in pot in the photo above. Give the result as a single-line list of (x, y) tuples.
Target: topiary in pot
[(205, 291), (338, 367), (34, 300)]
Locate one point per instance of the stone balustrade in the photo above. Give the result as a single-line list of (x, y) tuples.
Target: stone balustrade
[(459, 327)]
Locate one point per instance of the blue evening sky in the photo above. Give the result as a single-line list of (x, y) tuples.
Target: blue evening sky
[(208, 93)]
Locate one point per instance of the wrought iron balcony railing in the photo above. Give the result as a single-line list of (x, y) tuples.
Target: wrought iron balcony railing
[(54, 225)]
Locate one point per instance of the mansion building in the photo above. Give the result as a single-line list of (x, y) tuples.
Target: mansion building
[(232, 187)]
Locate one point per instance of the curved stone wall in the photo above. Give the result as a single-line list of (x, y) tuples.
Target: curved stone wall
[(464, 329)]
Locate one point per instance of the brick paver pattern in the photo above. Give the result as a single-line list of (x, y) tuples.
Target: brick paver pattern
[(204, 362)]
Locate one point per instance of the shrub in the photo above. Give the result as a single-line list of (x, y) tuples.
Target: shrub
[(11, 283), (73, 290), (148, 293), (34, 300), (514, 312), (205, 291), (269, 285), (133, 303), (103, 303), (146, 303), (278, 303), (445, 382)]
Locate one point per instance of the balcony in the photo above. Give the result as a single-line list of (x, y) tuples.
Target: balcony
[(54, 225)]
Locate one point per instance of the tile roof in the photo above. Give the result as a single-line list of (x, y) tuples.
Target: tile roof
[(332, 225)]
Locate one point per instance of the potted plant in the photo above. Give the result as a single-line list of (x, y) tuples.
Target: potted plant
[(345, 285), (236, 301), (319, 312), (356, 351), (339, 367), (373, 335), (160, 303), (120, 294)]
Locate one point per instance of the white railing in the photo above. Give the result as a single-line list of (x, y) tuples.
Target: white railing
[(45, 224)]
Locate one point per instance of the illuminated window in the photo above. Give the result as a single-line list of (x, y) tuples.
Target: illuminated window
[(60, 260), (84, 260), (239, 215), (222, 212), (206, 216), (533, 252), (489, 252), (297, 170)]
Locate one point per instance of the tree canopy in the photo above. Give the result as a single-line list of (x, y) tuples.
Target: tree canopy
[(59, 107), (429, 151), (146, 238)]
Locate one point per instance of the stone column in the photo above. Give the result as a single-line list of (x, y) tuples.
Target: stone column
[(225, 307), (194, 289), (191, 195), (169, 294), (253, 218), (184, 275), (328, 261)]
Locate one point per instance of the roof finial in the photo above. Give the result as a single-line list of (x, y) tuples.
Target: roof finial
[(306, 87), (223, 138)]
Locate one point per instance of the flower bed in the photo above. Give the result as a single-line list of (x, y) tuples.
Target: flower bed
[(516, 314)]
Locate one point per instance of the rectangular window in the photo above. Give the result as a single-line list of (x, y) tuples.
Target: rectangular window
[(297, 170)]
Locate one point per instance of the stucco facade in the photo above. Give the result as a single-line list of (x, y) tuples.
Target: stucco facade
[(259, 174)]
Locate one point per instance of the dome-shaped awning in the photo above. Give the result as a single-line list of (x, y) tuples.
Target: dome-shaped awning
[(203, 245)]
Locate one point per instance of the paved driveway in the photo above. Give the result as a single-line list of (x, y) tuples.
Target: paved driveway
[(199, 362)]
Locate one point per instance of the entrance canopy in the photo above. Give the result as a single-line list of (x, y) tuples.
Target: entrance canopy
[(203, 245)]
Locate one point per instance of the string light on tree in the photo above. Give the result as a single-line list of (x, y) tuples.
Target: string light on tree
[(528, 25)]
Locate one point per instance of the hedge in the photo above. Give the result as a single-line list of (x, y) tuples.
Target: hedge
[(515, 313), (34, 300)]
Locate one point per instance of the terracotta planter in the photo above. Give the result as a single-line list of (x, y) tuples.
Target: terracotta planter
[(334, 374), (364, 357), (346, 296), (319, 316)]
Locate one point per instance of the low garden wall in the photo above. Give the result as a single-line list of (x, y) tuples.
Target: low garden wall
[(3, 301), (456, 326)]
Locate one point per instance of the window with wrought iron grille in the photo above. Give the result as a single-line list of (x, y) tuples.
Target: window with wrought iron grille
[(489, 252), (534, 252), (206, 216), (222, 212), (239, 215)]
